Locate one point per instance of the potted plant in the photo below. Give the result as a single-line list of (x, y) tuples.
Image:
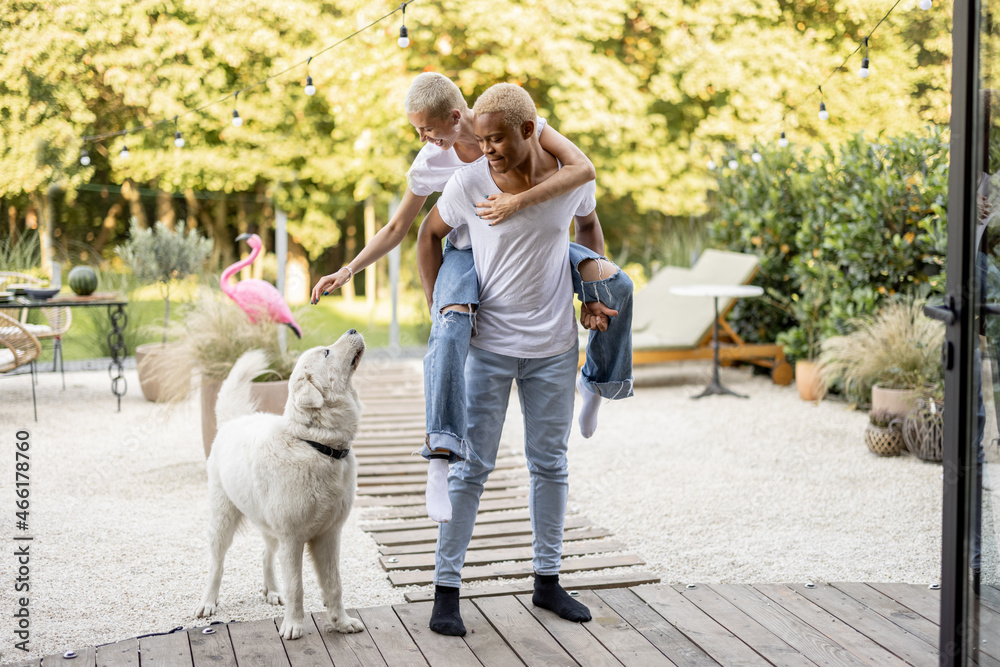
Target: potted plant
[(883, 435), (809, 306), (889, 359), (212, 333), (923, 427), (162, 256)]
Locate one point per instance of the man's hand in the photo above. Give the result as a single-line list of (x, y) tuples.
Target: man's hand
[(498, 208), (595, 316), (329, 283)]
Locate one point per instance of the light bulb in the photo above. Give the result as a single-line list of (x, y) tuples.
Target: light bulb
[(756, 157), (404, 37), (863, 72), (733, 163), (84, 158), (823, 113), (178, 139), (710, 164), (925, 4), (783, 141), (124, 154), (310, 88), (237, 121)]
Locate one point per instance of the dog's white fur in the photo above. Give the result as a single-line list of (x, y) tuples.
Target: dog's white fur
[(261, 468)]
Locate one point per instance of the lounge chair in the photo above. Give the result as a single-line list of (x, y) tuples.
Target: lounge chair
[(668, 327), (58, 318), (18, 347)]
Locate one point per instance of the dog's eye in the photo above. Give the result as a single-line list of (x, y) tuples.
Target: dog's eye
[(326, 353)]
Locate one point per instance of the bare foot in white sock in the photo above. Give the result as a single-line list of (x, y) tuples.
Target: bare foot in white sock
[(591, 404), (438, 502)]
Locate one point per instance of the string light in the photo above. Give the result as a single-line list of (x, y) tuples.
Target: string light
[(783, 141), (310, 88), (823, 113), (84, 157), (237, 121), (711, 164), (404, 36), (925, 4), (178, 139), (863, 72), (733, 163), (124, 152), (756, 156)]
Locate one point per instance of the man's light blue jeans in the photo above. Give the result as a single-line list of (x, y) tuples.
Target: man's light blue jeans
[(607, 371), (546, 392)]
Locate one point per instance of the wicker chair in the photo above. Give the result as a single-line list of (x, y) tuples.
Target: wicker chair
[(58, 321), (18, 347)]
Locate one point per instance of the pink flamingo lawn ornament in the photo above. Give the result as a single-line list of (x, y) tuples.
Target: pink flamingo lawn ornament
[(256, 296)]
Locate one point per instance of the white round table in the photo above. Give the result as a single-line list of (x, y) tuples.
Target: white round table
[(715, 291)]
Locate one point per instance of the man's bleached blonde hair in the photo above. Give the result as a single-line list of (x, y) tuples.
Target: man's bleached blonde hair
[(434, 94), (512, 101)]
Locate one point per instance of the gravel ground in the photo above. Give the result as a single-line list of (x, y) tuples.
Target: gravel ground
[(767, 489)]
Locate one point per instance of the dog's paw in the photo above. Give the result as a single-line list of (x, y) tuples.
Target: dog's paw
[(205, 609), (273, 597), (346, 624), (290, 629)]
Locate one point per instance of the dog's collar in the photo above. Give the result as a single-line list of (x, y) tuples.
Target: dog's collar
[(328, 451)]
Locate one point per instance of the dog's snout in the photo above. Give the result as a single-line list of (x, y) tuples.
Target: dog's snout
[(352, 331)]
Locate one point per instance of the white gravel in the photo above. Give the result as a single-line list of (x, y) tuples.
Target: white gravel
[(767, 489)]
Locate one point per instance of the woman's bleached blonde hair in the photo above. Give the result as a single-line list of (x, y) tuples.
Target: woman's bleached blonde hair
[(434, 94), (513, 101)]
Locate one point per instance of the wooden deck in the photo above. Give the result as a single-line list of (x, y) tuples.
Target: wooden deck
[(829, 624)]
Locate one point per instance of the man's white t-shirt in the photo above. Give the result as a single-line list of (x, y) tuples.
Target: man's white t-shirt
[(525, 292), (431, 170)]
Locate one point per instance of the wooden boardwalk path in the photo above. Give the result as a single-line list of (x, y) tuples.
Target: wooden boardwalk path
[(717, 624), (391, 482)]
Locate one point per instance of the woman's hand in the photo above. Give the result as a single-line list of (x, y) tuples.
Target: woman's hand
[(327, 284), (498, 208)]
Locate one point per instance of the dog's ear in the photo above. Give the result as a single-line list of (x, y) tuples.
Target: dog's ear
[(305, 394)]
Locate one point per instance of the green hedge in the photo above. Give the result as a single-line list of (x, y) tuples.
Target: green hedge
[(837, 230)]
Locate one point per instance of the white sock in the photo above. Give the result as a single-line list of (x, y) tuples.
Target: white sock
[(438, 502), (591, 404)]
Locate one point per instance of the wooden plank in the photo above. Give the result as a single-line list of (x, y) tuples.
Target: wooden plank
[(419, 476), (215, 648), (168, 650), (418, 499), (36, 662), (356, 649), (795, 632), (84, 656), (990, 596), (863, 648), (749, 631), (399, 537), (573, 637), (880, 630), (481, 518), (989, 631), (389, 445), (420, 511), (526, 636), (418, 466), (515, 570), (255, 643), (888, 608), (309, 649), (438, 650), (491, 542), (699, 627), (365, 451), (392, 639), (520, 480), (620, 580), (917, 597), (120, 654), (670, 641), (484, 556), (483, 638)]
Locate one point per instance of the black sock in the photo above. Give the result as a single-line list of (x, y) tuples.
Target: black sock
[(445, 617), (550, 595)]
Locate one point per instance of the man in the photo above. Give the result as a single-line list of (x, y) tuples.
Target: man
[(525, 331)]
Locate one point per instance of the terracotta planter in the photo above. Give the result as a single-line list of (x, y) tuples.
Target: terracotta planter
[(897, 402), (158, 377), (271, 397), (808, 381)]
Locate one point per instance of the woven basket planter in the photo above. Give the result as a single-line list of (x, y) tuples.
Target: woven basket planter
[(884, 441), (923, 429)]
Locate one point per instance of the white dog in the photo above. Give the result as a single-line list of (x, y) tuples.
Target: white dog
[(292, 475)]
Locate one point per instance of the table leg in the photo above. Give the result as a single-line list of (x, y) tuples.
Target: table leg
[(116, 344), (715, 386)]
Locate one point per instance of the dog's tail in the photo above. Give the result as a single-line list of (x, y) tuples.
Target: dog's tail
[(235, 399)]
